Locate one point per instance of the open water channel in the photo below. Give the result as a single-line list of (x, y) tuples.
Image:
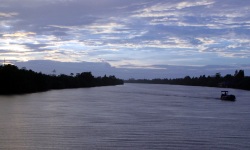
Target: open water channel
[(129, 116)]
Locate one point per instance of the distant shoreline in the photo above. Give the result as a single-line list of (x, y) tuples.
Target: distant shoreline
[(21, 81), (236, 81)]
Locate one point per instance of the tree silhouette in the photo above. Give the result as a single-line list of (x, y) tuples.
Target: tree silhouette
[(239, 81), (17, 81)]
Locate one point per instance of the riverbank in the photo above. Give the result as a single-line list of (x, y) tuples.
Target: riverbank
[(19, 81), (236, 81)]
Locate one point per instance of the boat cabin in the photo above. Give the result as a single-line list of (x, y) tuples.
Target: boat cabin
[(224, 93)]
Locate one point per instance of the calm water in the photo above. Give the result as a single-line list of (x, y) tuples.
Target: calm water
[(131, 116)]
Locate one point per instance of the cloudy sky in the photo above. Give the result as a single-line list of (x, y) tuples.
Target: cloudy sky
[(128, 38)]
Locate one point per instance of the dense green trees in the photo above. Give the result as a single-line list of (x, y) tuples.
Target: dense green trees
[(15, 81), (238, 81)]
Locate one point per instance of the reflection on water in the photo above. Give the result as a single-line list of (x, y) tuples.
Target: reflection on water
[(132, 116)]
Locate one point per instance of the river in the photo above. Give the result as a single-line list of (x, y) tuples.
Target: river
[(125, 117)]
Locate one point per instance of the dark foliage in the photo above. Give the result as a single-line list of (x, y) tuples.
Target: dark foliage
[(238, 81), (17, 81)]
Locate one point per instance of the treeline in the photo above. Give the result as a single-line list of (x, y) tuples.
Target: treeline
[(238, 81), (16, 81)]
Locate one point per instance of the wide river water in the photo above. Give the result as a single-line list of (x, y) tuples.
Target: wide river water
[(129, 116)]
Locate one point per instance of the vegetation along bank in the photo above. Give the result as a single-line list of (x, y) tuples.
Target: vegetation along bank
[(17, 81)]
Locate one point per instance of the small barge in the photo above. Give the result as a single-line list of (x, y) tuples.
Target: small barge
[(226, 97)]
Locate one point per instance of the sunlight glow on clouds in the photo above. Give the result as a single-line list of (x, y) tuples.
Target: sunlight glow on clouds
[(11, 14), (129, 33), (19, 34)]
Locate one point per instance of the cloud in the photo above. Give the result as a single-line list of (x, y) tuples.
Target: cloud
[(19, 34), (8, 15), (138, 34)]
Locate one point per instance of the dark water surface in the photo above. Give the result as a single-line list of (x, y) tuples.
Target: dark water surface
[(131, 116)]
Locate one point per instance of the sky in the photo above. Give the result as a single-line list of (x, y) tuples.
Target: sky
[(127, 38)]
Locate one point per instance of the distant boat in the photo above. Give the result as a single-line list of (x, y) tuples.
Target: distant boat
[(226, 97)]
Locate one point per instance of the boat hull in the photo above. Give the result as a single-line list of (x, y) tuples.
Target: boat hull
[(228, 98)]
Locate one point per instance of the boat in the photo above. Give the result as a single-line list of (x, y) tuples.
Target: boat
[(226, 97)]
